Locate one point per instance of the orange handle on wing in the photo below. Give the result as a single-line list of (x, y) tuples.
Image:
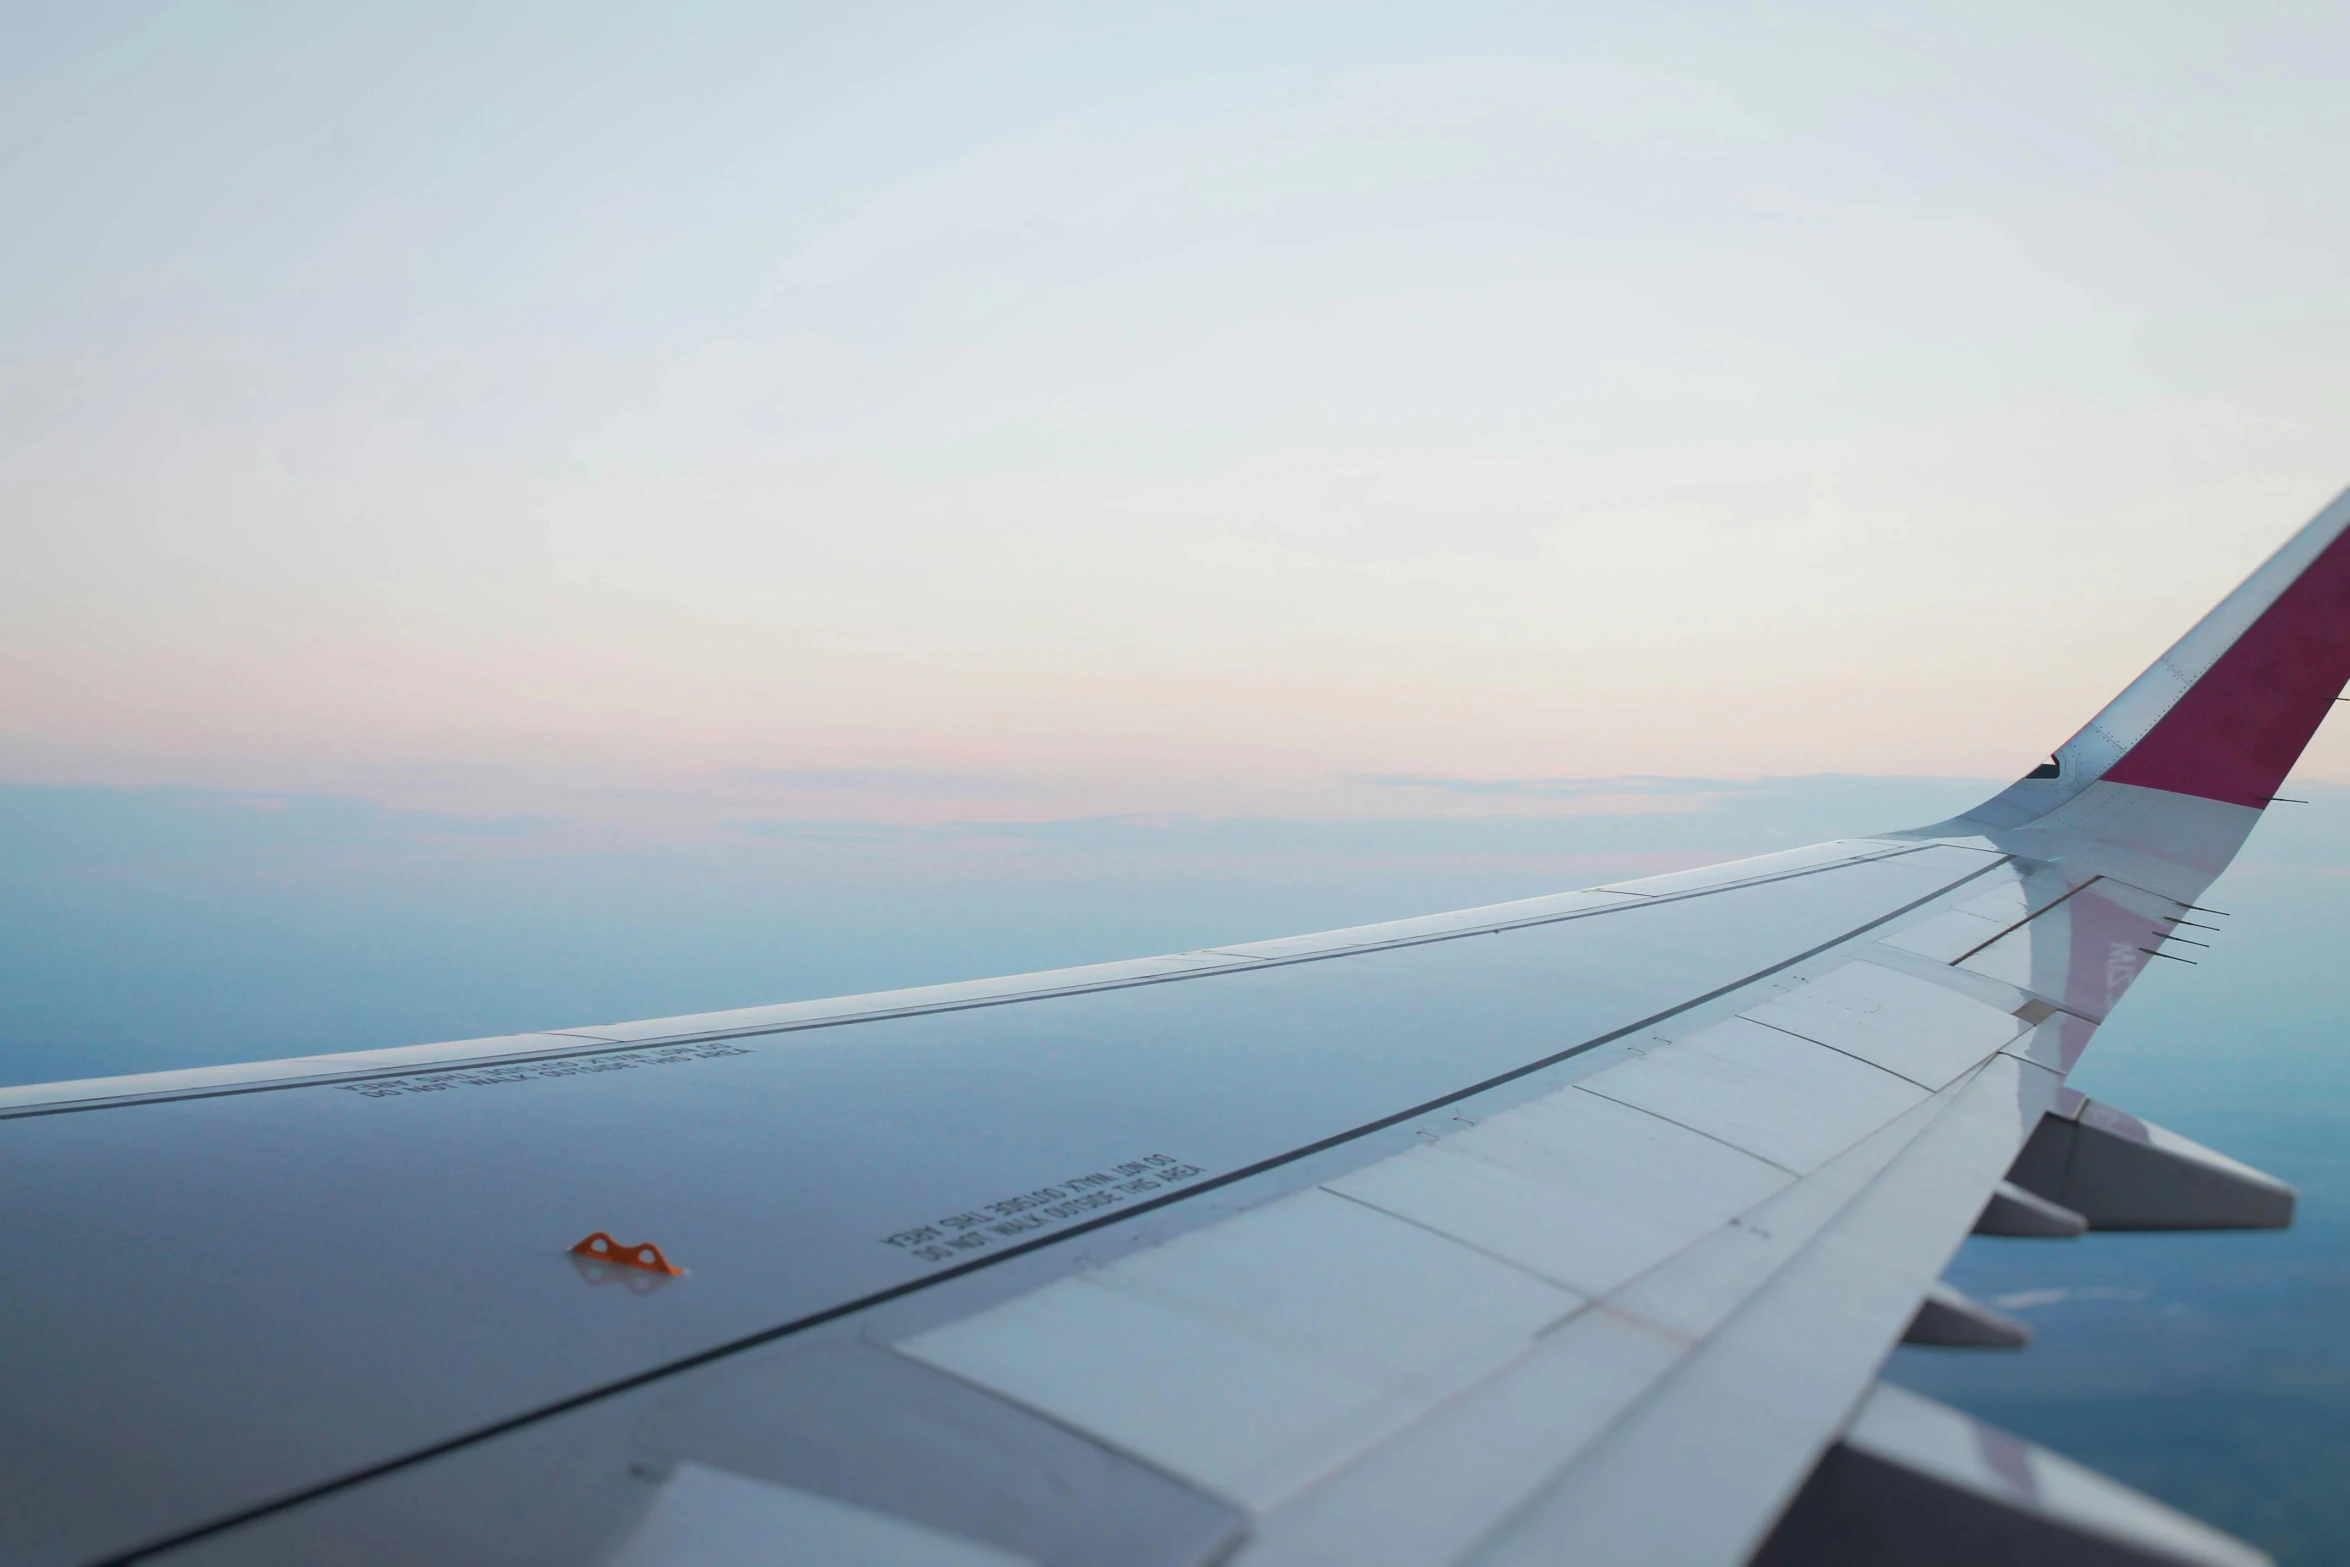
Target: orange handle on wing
[(603, 1248)]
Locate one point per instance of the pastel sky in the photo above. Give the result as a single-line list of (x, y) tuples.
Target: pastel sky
[(1204, 407)]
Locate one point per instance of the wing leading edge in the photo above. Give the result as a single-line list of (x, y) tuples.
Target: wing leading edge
[(1574, 1229)]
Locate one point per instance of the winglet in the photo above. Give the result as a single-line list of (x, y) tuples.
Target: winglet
[(2226, 712)]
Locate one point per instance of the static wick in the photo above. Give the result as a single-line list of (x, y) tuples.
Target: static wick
[(648, 1258), (2174, 957)]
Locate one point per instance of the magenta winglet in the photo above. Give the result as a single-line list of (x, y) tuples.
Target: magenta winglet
[(2238, 730)]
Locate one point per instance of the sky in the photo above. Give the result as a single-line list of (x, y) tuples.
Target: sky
[(909, 414)]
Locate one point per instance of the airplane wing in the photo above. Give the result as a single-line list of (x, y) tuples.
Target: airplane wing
[(1568, 1230)]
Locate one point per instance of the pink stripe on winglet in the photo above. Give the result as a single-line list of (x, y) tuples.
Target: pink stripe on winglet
[(2239, 730)]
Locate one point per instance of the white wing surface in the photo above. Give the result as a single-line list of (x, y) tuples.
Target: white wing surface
[(1571, 1230)]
